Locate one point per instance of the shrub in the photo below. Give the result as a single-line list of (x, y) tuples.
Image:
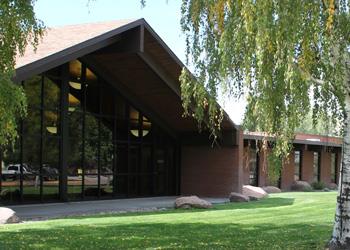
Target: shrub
[(318, 185)]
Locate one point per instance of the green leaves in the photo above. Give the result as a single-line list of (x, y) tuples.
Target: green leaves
[(18, 27), (287, 56)]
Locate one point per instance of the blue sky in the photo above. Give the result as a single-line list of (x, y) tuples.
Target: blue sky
[(164, 17)]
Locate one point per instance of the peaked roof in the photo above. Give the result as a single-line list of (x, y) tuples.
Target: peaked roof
[(63, 44), (60, 38)]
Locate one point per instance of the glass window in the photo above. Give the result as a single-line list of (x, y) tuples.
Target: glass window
[(334, 168), (316, 166), (297, 165), (253, 168), (32, 89), (51, 94)]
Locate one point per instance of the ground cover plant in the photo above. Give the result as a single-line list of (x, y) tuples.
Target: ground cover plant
[(283, 221)]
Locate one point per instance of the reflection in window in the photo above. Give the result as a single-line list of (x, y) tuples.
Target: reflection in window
[(316, 166), (297, 165), (253, 168), (111, 150), (10, 184), (334, 168), (138, 125)]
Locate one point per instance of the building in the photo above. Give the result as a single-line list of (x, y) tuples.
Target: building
[(105, 121), (313, 159)]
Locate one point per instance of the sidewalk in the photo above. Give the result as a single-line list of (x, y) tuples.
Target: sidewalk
[(55, 210)]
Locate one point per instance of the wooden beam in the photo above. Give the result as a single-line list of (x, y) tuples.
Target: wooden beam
[(171, 83)]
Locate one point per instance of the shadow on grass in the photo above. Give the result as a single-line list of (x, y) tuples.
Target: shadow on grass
[(168, 235)]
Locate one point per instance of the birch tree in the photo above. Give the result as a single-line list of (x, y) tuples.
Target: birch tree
[(289, 57), (18, 27)]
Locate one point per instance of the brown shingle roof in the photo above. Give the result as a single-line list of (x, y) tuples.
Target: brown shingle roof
[(60, 38)]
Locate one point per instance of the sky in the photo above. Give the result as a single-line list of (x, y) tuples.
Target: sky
[(163, 16)]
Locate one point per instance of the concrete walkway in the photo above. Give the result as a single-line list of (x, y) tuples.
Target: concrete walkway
[(56, 210)]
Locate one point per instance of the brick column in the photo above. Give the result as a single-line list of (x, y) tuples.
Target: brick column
[(307, 167)]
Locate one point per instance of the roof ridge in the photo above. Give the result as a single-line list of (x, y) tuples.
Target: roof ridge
[(126, 20)]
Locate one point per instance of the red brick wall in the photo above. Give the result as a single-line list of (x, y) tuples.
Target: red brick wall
[(307, 167), (287, 176), (212, 172), (263, 165)]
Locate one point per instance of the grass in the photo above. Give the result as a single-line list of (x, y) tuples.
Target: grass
[(283, 221)]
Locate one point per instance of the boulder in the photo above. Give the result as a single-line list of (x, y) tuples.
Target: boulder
[(192, 202), (252, 191), (8, 216), (332, 186), (237, 197), (301, 186), (271, 189)]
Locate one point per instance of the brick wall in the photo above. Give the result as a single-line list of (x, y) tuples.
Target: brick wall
[(211, 172), (307, 167), (287, 176)]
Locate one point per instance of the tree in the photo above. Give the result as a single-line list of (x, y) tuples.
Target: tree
[(18, 27), (290, 57), (320, 128)]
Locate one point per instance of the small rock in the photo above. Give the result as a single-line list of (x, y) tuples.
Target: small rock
[(192, 201), (237, 197), (271, 189), (8, 216), (256, 192), (301, 186), (332, 186)]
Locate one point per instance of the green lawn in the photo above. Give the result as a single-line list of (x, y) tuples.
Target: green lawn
[(283, 221)]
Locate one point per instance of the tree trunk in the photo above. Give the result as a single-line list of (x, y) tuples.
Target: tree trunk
[(341, 230)]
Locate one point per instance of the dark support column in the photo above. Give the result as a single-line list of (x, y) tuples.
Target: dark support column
[(41, 137), (178, 167), (21, 157), (99, 139), (83, 89), (129, 176), (257, 169), (64, 132)]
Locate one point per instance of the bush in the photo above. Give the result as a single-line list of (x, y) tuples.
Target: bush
[(318, 185)]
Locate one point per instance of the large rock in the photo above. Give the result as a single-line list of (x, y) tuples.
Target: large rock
[(192, 202), (253, 191), (237, 197), (302, 186), (8, 216), (271, 189)]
